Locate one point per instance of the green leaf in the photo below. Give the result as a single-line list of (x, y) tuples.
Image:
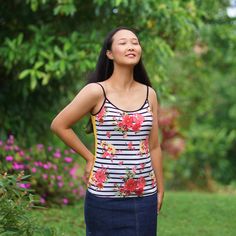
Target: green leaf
[(24, 74), (33, 83)]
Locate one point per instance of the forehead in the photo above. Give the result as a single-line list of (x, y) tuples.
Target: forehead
[(124, 34)]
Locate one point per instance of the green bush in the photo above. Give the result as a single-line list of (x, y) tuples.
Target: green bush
[(15, 205), (56, 176)]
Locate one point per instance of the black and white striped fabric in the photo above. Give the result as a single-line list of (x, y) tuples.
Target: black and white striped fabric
[(122, 165)]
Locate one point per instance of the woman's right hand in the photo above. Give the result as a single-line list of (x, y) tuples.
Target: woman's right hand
[(88, 169)]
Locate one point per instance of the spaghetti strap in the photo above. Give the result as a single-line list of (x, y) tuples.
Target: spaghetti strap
[(147, 92), (102, 89)]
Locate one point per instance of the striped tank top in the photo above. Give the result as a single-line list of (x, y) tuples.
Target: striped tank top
[(122, 165)]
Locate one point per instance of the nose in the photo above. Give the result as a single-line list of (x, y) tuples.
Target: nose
[(130, 48)]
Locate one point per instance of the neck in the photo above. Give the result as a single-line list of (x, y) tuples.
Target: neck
[(122, 77)]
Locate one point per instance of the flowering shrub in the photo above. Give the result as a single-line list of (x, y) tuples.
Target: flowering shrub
[(15, 205), (173, 142), (55, 175)]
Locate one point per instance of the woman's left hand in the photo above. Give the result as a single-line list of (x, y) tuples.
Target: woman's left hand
[(160, 197)]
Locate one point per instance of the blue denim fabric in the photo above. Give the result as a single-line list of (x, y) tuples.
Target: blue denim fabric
[(135, 216)]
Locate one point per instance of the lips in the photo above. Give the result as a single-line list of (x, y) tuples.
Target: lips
[(131, 55)]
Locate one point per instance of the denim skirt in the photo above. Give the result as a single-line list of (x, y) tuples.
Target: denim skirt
[(130, 216)]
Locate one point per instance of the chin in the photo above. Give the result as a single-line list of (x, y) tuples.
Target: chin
[(131, 64)]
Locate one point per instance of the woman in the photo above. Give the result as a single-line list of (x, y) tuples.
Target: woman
[(124, 178)]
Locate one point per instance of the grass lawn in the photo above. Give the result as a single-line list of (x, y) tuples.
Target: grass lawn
[(182, 214)]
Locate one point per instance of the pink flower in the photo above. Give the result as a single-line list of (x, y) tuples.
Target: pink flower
[(54, 167), (7, 148), (28, 158), (50, 148), (45, 176), (57, 154), (26, 185), (59, 177), (82, 191), (75, 191), (33, 169), (17, 166), (40, 146), (16, 148), (46, 166), (42, 200), (36, 163), (60, 184), (21, 153), (73, 171), (68, 159), (10, 140), (65, 201), (72, 151), (9, 158)]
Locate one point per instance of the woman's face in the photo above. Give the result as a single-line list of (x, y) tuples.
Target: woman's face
[(125, 49)]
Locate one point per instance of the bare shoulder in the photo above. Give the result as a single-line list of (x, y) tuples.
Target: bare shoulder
[(92, 90), (152, 93), (153, 98)]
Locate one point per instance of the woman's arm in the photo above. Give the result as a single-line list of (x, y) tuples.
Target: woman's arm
[(155, 149), (83, 103)]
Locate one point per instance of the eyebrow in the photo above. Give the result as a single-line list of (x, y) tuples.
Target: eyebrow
[(126, 38)]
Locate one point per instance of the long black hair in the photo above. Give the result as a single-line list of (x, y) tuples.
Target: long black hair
[(105, 67)]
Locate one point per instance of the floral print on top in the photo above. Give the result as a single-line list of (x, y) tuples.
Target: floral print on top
[(122, 167), (129, 123)]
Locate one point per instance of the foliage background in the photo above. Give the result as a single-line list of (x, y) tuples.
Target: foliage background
[(47, 47)]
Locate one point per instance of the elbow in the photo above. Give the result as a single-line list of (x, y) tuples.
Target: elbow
[(53, 126), (57, 127)]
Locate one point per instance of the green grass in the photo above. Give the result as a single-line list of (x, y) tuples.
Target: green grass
[(182, 214), (205, 214)]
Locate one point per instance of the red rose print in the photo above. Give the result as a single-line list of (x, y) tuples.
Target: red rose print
[(108, 150), (101, 114), (134, 169), (136, 127), (100, 177), (108, 134), (140, 184), (129, 122), (130, 186), (130, 145)]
